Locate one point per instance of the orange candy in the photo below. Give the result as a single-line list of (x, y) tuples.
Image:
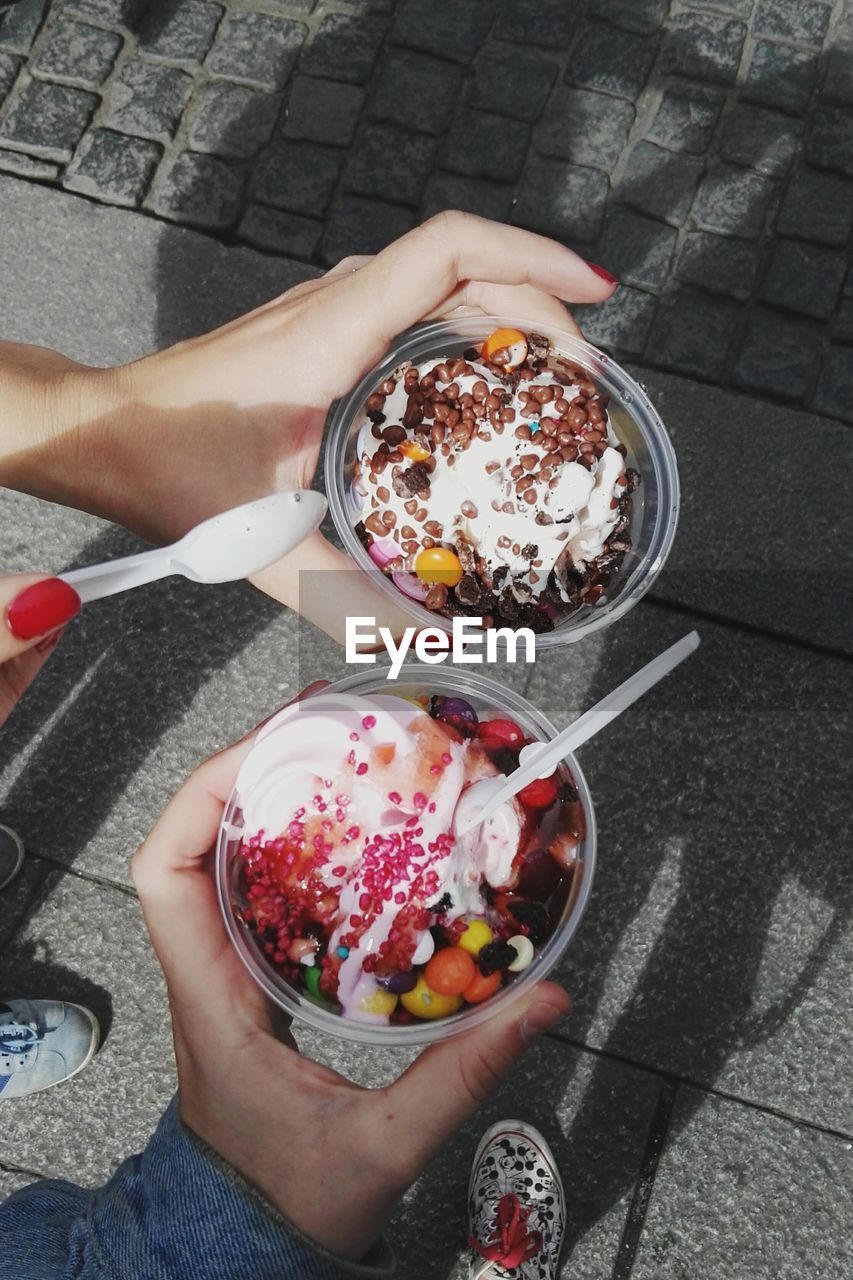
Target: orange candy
[(413, 451), (506, 348), (438, 564), (450, 971), (482, 988)]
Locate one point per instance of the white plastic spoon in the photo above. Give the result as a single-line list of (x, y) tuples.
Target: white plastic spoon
[(540, 759), (224, 548)]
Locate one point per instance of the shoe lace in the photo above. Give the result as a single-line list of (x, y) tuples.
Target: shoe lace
[(17, 1037), (512, 1243)]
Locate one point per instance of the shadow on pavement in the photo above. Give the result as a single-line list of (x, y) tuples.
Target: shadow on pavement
[(82, 762)]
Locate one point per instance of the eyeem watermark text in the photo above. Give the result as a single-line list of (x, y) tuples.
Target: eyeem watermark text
[(469, 642)]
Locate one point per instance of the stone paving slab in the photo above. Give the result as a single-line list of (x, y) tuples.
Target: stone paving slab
[(740, 550), (744, 1195), (719, 937), (11, 1181), (701, 151), (86, 943), (595, 1116), (751, 518)]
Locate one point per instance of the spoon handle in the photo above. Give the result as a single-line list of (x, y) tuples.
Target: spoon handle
[(586, 726), (98, 580)]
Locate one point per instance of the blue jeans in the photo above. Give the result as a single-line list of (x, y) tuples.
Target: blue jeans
[(177, 1211)]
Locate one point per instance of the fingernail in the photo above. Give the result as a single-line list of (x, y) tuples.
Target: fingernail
[(601, 271), (49, 642), (43, 607), (539, 1018)]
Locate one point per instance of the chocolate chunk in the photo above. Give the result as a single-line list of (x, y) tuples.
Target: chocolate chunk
[(416, 478), (444, 904), (468, 590), (531, 551), (533, 916), (494, 956)]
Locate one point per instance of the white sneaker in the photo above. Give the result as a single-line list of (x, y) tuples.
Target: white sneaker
[(11, 855), (43, 1042), (516, 1206)]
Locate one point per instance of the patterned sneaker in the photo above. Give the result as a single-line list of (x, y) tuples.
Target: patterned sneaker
[(516, 1206), (43, 1042), (11, 855)]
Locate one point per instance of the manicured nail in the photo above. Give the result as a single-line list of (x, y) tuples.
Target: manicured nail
[(600, 271), (41, 608)]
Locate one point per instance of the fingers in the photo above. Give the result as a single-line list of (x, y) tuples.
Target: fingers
[(323, 585), (33, 607), (17, 674), (459, 1074), (416, 274), (520, 301)]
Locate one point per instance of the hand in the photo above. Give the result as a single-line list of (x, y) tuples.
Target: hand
[(172, 439), (34, 611), (289, 1125)]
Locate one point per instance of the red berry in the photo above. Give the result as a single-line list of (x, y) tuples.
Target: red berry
[(503, 733), (540, 793)]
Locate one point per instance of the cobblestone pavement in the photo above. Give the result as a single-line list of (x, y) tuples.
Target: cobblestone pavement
[(702, 150)]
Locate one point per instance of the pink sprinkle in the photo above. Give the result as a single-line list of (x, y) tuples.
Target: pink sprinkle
[(395, 797), (431, 807), (339, 871), (300, 813), (419, 800), (316, 800), (351, 758), (362, 769), (435, 768), (295, 830), (327, 782), (353, 833), (342, 800), (355, 921), (353, 737), (400, 898), (446, 757), (369, 722)]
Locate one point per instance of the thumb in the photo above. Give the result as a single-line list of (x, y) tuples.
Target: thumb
[(32, 607), (460, 1073), (326, 586)]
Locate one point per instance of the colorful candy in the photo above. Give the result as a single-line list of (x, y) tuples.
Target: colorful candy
[(381, 1002), (482, 988), (438, 565), (423, 1002), (524, 949), (413, 451), (507, 348), (476, 936), (501, 733), (450, 971), (540, 793)]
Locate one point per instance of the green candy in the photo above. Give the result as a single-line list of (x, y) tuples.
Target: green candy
[(312, 987)]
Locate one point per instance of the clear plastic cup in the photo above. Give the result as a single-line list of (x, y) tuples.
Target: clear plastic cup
[(634, 420), (490, 700)]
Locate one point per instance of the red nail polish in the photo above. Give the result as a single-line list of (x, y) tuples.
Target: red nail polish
[(41, 608), (600, 271)]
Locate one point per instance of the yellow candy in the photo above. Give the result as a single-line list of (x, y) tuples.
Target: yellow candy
[(476, 936), (383, 1002), (423, 1002), (438, 564), (413, 451), (507, 348)]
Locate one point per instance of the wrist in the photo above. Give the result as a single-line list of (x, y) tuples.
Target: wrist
[(55, 416)]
